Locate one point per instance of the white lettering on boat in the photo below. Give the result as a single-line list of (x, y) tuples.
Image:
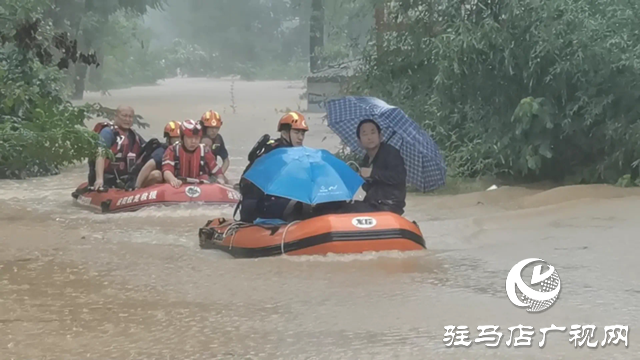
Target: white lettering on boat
[(233, 195), (84, 200), (364, 222), (137, 198)]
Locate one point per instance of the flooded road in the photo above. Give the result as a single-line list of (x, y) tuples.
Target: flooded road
[(78, 285)]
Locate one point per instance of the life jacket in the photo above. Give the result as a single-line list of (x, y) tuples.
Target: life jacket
[(258, 149), (121, 148), (263, 146), (145, 155), (177, 148)]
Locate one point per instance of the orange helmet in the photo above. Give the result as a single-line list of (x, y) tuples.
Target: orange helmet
[(211, 119), (295, 120), (190, 128), (172, 129)]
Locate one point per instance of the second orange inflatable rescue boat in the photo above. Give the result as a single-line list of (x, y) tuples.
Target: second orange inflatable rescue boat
[(338, 234), (117, 200)]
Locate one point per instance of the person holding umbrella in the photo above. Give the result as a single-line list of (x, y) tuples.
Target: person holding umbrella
[(383, 171), (396, 151)]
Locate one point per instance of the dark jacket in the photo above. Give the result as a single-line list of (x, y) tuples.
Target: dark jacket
[(387, 184), (254, 202), (247, 189), (262, 149)]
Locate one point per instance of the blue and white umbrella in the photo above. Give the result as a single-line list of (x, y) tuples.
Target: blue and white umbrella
[(426, 168)]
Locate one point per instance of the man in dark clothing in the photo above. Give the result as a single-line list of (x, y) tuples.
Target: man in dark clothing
[(384, 173), (251, 194), (255, 203)]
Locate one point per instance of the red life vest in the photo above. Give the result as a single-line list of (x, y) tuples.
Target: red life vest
[(178, 149), (121, 148)]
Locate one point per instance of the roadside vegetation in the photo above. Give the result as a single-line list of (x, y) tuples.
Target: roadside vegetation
[(521, 91)]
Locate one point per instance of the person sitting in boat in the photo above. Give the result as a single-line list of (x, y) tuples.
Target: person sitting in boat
[(188, 158), (211, 123), (151, 172), (255, 204), (383, 170), (125, 144)]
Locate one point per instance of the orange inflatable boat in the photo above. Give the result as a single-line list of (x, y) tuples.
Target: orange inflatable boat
[(117, 200), (334, 233)]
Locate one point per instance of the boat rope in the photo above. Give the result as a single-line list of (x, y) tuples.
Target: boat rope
[(232, 238), (285, 234), (232, 230)]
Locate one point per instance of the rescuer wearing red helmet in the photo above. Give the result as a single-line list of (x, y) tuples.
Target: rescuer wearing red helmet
[(188, 158)]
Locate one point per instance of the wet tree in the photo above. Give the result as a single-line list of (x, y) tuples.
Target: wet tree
[(86, 21), (40, 130), (528, 89), (266, 39)]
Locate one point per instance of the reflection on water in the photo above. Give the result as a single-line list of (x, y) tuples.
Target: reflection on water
[(78, 285)]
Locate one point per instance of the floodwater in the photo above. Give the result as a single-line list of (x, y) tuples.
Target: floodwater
[(78, 285)]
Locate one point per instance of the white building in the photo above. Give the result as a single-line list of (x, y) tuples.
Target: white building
[(327, 84)]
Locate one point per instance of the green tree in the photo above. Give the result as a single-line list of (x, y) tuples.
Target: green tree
[(39, 130), (91, 23), (243, 36), (347, 24), (127, 58), (531, 89)]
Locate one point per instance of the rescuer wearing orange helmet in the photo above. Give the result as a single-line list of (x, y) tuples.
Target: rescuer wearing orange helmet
[(151, 172), (211, 123), (292, 127)]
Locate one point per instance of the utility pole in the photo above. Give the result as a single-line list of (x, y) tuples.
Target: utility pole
[(316, 33), (380, 26)]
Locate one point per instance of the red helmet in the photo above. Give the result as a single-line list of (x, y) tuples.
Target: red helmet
[(190, 128), (293, 119), (172, 129)]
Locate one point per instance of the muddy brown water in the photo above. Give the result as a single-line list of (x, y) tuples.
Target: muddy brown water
[(78, 285)]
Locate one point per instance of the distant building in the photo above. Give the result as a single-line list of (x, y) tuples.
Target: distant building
[(327, 84)]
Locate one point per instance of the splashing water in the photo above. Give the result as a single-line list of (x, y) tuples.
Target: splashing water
[(80, 285)]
